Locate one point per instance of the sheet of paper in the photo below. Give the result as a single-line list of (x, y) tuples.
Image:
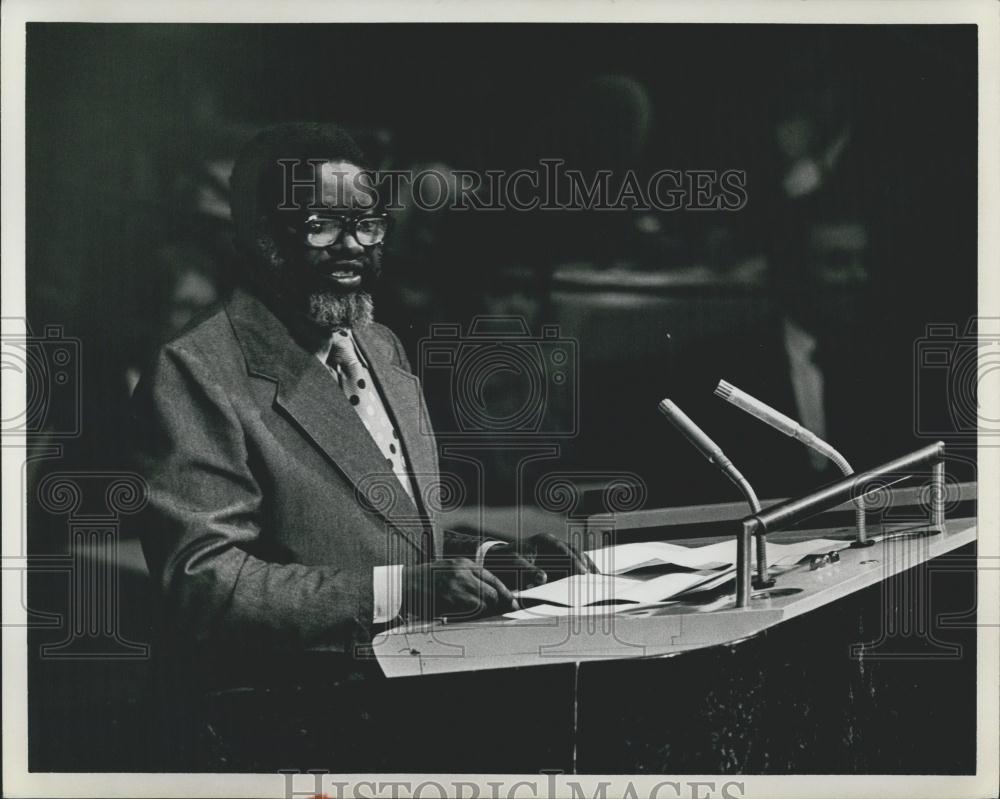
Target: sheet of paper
[(579, 589), (779, 556), (624, 558), (663, 587), (589, 589), (616, 591), (554, 611), (724, 577), (613, 593), (629, 557), (540, 612)]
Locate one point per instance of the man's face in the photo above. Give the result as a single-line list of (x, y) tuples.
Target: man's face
[(327, 275)]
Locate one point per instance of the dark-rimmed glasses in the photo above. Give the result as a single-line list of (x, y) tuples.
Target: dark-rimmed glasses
[(325, 230)]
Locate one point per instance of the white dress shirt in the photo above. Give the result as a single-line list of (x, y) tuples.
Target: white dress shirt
[(387, 581)]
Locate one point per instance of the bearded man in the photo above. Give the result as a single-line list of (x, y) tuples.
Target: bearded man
[(285, 441)]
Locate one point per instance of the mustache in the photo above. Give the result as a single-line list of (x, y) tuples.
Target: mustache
[(360, 263)]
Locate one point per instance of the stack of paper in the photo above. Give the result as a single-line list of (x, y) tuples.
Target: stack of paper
[(551, 611), (704, 568), (626, 558), (631, 557), (593, 589)]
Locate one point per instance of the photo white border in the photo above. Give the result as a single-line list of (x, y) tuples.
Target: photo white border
[(17, 782)]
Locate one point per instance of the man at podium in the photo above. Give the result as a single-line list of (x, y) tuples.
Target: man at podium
[(286, 442)]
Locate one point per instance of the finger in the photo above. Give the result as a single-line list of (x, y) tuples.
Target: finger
[(484, 597), (460, 594), (503, 597), (472, 593), (466, 601), (517, 571), (530, 575)]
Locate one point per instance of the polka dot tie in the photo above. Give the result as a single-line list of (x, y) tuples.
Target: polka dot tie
[(357, 384)]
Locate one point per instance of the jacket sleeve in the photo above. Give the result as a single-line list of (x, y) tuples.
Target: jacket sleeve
[(461, 545), (204, 520)]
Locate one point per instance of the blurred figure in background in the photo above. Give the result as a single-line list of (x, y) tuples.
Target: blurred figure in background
[(603, 123), (820, 260), (815, 355)]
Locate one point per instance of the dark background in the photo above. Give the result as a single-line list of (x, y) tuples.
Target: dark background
[(130, 130)]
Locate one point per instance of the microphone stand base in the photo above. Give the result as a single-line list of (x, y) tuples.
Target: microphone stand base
[(758, 584)]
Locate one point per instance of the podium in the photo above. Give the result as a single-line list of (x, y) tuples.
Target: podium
[(437, 648), (862, 664), (862, 561)]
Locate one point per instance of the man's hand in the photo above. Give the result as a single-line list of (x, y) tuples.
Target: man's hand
[(536, 560), (453, 587)]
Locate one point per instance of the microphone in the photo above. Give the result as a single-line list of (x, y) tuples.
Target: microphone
[(709, 449), (715, 455), (790, 427)]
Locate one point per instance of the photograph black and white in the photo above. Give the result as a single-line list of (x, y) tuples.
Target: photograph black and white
[(579, 406)]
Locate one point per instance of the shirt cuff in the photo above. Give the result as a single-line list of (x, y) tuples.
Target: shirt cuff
[(387, 589), (485, 547)]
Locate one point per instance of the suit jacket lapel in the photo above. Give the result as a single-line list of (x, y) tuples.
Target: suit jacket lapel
[(308, 392), (401, 391)]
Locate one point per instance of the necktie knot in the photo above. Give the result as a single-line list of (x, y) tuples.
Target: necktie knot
[(342, 352)]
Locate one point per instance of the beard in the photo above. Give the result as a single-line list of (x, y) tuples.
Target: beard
[(330, 310), (291, 289)]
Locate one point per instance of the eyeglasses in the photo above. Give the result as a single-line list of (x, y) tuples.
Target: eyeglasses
[(323, 231)]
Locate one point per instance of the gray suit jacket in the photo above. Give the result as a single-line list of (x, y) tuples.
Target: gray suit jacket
[(269, 503)]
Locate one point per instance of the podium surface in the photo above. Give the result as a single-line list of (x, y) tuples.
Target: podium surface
[(674, 628)]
